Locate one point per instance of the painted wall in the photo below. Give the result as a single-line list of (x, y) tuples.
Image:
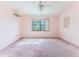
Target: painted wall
[(71, 33), (27, 27), (9, 26)]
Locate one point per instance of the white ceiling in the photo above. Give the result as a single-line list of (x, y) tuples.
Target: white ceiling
[(31, 7)]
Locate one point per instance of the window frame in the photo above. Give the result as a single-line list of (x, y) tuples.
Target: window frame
[(40, 25)]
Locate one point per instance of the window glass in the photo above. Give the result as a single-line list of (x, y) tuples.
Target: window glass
[(40, 25)]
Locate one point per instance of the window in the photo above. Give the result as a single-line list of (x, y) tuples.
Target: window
[(40, 25)]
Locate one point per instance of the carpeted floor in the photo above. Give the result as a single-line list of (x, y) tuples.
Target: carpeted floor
[(40, 48)]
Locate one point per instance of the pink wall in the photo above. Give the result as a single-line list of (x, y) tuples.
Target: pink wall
[(9, 26), (70, 34), (26, 29)]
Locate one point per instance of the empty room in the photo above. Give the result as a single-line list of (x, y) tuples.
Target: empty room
[(39, 28)]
